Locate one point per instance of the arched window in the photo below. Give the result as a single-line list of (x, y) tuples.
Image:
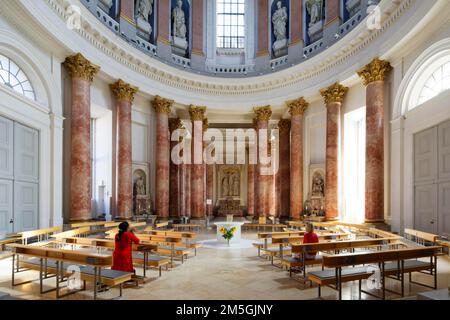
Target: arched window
[(14, 77), (230, 31), (438, 82)]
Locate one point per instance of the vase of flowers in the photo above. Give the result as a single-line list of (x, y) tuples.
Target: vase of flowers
[(228, 234)]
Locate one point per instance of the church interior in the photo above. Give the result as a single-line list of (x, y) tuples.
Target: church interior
[(224, 150)]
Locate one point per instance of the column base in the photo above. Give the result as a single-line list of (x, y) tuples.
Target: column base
[(376, 221), (329, 219)]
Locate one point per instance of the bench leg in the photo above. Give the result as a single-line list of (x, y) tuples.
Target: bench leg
[(160, 271), (319, 290), (359, 288), (121, 289)]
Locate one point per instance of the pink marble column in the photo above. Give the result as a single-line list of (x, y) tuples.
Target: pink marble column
[(333, 97), (284, 178), (251, 190), (373, 76), (187, 181), (263, 115), (124, 94), (197, 166), (175, 174), (297, 108), (162, 154), (82, 73)]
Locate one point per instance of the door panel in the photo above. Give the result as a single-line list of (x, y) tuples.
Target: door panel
[(25, 206), (444, 151), (444, 209), (425, 208), (6, 148), (26, 153), (6, 206), (425, 151)]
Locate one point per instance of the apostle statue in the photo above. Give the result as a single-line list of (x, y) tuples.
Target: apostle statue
[(318, 185), (236, 184), (314, 8), (143, 11), (279, 20), (179, 23), (225, 186), (140, 187)]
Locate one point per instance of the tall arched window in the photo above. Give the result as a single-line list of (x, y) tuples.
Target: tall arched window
[(14, 77), (230, 32), (438, 82)]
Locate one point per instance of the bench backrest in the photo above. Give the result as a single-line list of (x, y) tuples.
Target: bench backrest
[(83, 258), (344, 260), (72, 233), (268, 235), (338, 245), (421, 236), (104, 243), (40, 232)]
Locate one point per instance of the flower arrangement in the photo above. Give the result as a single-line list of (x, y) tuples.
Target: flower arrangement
[(228, 234)]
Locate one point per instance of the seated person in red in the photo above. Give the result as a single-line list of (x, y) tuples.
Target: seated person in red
[(310, 237), (122, 255)]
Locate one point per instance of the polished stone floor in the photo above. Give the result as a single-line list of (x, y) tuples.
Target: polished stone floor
[(217, 274)]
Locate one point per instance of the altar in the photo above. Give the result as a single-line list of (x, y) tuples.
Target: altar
[(229, 225)]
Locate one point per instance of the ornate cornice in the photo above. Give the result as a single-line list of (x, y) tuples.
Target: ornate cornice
[(197, 113), (377, 70), (162, 105), (79, 67), (175, 124), (105, 41), (297, 107), (123, 90), (334, 93), (284, 125), (263, 113)]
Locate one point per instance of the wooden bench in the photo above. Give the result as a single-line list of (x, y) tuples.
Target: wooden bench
[(263, 226), (79, 232), (391, 262), (187, 236), (107, 244), (421, 238), (61, 263), (335, 247), (40, 234), (188, 226)]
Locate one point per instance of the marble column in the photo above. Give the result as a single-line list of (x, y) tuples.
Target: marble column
[(124, 94), (209, 173), (284, 178), (82, 72), (162, 108), (271, 186), (187, 189), (333, 97), (175, 194), (251, 190), (263, 115), (255, 166), (197, 167), (373, 76), (297, 108)]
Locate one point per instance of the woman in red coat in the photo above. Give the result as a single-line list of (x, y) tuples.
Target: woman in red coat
[(122, 256)]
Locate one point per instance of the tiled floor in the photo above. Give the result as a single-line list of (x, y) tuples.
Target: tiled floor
[(217, 274)]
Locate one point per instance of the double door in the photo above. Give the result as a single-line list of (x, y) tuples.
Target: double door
[(19, 177), (432, 180)]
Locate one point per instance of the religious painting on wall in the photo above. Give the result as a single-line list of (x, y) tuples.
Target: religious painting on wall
[(230, 182)]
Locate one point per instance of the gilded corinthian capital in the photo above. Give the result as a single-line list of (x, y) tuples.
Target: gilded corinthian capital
[(297, 107), (263, 113), (123, 90), (284, 125), (79, 67), (334, 93), (205, 124), (197, 113), (175, 124), (377, 70), (162, 105)]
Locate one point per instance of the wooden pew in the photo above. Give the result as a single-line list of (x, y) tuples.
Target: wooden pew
[(296, 224), (392, 262), (187, 236), (264, 226), (335, 247), (421, 238), (40, 234), (142, 251), (93, 267), (79, 232), (188, 226)]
